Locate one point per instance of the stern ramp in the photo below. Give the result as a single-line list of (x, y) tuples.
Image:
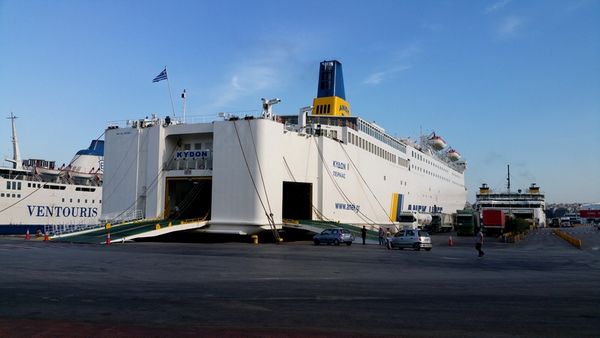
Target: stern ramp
[(130, 230)]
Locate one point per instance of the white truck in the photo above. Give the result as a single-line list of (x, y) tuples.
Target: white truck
[(413, 220)]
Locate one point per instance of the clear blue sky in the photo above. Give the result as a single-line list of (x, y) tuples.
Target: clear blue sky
[(504, 82)]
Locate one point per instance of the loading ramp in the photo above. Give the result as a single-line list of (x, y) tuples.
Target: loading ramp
[(131, 230)]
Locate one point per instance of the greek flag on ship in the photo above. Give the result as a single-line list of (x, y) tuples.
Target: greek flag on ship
[(161, 76)]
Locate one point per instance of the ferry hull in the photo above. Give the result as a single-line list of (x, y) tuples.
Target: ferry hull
[(258, 168)]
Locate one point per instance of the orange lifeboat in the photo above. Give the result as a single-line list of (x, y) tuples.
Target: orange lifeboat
[(453, 155), (436, 142)]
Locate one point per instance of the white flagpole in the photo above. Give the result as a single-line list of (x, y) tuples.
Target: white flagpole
[(170, 95)]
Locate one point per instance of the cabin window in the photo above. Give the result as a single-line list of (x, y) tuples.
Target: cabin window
[(78, 200), (63, 200), (70, 200), (8, 185), (18, 195), (18, 185), (28, 185), (2, 195), (197, 146)]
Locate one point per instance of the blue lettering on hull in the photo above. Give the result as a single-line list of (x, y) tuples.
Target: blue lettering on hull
[(58, 212)]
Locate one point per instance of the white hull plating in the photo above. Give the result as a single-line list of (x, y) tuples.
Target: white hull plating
[(356, 179)]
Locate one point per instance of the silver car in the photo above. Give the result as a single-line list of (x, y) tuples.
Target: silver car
[(334, 236), (415, 239)]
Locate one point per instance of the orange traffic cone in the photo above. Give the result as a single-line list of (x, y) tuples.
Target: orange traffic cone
[(450, 241), (108, 238), (46, 239), (27, 235)]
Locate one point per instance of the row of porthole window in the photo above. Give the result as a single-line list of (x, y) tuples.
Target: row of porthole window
[(70, 200), (420, 157), (370, 147), (417, 168), (79, 201)]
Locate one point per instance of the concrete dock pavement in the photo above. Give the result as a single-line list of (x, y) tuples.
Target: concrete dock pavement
[(542, 286)]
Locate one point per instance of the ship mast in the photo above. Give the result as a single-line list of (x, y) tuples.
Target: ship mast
[(508, 178), (16, 160), (508, 188)]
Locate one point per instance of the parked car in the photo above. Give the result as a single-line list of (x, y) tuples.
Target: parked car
[(409, 238), (334, 236)]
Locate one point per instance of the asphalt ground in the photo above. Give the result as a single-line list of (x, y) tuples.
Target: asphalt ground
[(539, 287)]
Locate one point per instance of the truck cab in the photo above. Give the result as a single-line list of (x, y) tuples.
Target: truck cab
[(413, 220)]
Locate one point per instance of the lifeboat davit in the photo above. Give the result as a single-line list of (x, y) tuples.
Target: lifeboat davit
[(437, 142), (453, 155)]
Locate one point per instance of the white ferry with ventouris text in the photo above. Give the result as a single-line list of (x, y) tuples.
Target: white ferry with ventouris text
[(36, 195)]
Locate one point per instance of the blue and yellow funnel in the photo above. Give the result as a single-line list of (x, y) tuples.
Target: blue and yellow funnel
[(331, 99)]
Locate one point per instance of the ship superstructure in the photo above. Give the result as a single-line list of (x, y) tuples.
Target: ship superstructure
[(245, 174), (36, 194)]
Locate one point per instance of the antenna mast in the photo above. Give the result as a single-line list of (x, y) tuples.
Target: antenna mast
[(183, 97), (508, 178), (16, 160)]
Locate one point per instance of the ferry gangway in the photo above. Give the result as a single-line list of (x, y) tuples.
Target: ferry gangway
[(130, 231)]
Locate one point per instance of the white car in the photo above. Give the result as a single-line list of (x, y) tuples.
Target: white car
[(415, 239)]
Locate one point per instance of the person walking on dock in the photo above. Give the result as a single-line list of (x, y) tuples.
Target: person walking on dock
[(381, 236), (479, 242), (363, 234)]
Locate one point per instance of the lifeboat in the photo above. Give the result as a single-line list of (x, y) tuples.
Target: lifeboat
[(436, 142), (453, 155), (47, 171)]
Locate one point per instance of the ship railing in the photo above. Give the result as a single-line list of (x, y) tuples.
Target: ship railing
[(62, 229), (204, 163), (175, 120), (121, 217)]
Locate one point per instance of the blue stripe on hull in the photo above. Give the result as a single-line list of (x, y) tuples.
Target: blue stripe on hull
[(20, 229)]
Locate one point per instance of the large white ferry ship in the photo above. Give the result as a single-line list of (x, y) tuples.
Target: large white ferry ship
[(246, 174), (36, 194)]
